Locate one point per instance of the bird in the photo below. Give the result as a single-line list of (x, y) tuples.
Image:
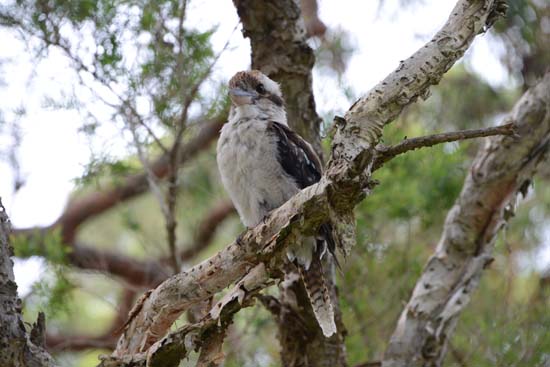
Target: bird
[(262, 164)]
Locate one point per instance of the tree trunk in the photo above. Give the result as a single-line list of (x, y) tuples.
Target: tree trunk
[(17, 347), (279, 49), (501, 171)]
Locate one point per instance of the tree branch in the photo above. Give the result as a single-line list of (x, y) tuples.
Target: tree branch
[(83, 208), (135, 272), (387, 153), (171, 349), (75, 343), (339, 189), (18, 347), (500, 171), (107, 340), (280, 49), (138, 273)]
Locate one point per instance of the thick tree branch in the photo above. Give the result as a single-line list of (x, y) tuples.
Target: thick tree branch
[(18, 348), (501, 171), (138, 273), (208, 332), (387, 153), (83, 208), (339, 189)]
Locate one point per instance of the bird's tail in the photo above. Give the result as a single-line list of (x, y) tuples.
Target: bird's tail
[(314, 281)]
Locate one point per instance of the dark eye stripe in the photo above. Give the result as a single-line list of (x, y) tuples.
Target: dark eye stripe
[(275, 99)]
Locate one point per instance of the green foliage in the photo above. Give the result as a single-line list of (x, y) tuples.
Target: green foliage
[(433, 178), (49, 245), (100, 169), (145, 53), (53, 292), (463, 100)]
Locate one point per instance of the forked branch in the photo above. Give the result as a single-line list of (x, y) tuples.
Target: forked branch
[(339, 190)]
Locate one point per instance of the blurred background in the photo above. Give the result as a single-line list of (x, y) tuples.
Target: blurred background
[(90, 91)]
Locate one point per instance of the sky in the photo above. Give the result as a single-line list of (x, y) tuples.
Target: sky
[(53, 152)]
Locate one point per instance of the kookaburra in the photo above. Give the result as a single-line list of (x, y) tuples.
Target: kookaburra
[(263, 163)]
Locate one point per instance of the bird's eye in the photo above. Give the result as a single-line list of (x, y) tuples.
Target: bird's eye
[(260, 89)]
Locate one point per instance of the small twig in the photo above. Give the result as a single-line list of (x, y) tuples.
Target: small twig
[(387, 153), (140, 120), (171, 196), (151, 177)]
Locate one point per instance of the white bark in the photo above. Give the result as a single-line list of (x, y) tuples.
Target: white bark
[(340, 189), (499, 173)]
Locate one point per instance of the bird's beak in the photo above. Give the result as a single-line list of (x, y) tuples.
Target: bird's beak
[(241, 97)]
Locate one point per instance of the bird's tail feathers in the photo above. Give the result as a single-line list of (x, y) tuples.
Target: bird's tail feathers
[(319, 296)]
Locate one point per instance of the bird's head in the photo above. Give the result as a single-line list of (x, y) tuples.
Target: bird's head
[(254, 88)]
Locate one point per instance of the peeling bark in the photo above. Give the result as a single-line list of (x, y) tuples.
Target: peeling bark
[(500, 171), (208, 333), (340, 188), (17, 347)]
